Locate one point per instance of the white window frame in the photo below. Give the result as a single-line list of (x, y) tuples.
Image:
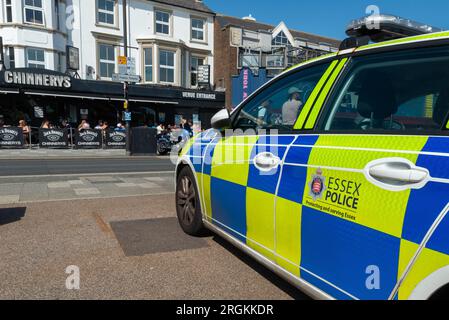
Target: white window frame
[(195, 72), (203, 30), (168, 24), (100, 61), (8, 6), (8, 51), (145, 66), (34, 9), (35, 62), (167, 66), (277, 45), (113, 13)]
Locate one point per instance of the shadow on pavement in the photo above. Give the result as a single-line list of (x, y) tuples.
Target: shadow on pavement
[(260, 269), (11, 215)]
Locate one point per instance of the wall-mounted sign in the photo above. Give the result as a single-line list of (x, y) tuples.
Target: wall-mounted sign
[(73, 58), (125, 78), (199, 95), (38, 112), (204, 74), (236, 37), (37, 78)]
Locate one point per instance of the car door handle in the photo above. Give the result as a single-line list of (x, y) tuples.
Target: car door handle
[(266, 161), (398, 172)]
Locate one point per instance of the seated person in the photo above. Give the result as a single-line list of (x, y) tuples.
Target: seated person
[(268, 115), (292, 107)]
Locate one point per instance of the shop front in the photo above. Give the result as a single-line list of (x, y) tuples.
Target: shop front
[(35, 95)]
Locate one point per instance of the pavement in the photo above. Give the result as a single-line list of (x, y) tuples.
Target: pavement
[(37, 153), (114, 221), (85, 186), (122, 248)]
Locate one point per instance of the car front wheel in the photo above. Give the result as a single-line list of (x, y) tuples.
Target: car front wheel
[(188, 206)]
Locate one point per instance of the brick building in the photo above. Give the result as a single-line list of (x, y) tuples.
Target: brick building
[(246, 43)]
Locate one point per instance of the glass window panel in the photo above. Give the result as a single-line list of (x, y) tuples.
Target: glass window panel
[(404, 92)]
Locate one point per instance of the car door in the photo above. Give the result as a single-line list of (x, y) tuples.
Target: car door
[(377, 176), (247, 160)]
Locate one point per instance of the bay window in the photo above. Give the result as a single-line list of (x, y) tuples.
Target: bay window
[(166, 66)]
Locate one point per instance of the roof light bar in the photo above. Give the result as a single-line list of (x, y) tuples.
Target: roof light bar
[(383, 27)]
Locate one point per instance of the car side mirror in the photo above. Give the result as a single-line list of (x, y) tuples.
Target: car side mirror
[(221, 120)]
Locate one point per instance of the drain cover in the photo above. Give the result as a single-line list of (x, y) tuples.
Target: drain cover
[(142, 237)]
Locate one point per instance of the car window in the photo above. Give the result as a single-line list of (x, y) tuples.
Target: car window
[(393, 92), (278, 105)]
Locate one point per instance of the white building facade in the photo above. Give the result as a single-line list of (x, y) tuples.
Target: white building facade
[(167, 39)]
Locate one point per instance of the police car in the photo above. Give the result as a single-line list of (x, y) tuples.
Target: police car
[(349, 201)]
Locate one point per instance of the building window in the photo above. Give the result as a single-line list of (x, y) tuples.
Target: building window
[(166, 66), (35, 58), (162, 22), (107, 60), (58, 20), (280, 40), (194, 63), (34, 12), (61, 61), (8, 7), (106, 11), (198, 26), (148, 64), (11, 57)]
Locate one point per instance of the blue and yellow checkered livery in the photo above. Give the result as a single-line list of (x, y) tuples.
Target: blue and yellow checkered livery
[(332, 238)]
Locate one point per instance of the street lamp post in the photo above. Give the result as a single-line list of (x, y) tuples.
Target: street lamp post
[(125, 84)]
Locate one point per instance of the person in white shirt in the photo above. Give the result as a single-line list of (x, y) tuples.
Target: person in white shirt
[(292, 107), (160, 129)]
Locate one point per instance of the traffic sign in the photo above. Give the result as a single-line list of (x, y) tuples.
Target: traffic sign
[(122, 60), (125, 78)]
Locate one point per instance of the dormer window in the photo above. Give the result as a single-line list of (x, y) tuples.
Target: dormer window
[(280, 40)]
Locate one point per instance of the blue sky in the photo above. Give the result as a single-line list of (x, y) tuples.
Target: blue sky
[(330, 17)]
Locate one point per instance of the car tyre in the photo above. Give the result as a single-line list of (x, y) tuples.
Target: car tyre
[(188, 207)]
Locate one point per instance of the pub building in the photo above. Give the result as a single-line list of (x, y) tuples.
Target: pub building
[(37, 94), (66, 59)]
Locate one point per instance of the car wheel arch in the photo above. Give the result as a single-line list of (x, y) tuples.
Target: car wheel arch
[(436, 281), (185, 162)]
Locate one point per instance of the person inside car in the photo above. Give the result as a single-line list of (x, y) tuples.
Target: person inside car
[(292, 107)]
